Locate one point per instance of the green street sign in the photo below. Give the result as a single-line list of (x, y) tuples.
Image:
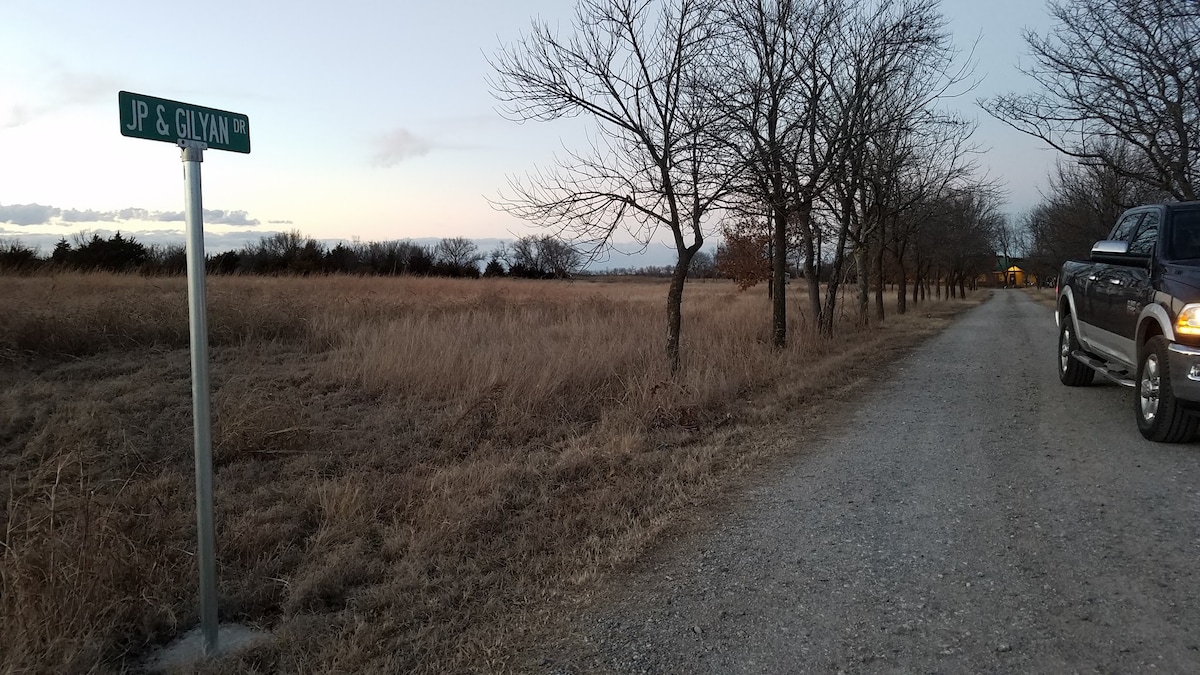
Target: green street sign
[(161, 120)]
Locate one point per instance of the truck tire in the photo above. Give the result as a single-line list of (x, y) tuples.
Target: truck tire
[(1160, 416), (1071, 371)]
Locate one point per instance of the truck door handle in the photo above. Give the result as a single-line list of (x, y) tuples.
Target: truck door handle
[(1115, 282), (1092, 277)]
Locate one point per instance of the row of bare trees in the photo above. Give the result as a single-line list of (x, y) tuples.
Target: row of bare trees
[(939, 246), (824, 120), (1118, 93), (1080, 206), (1118, 88)]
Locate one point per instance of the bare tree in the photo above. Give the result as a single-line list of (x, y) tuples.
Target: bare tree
[(704, 266), (523, 254), (458, 253), (770, 85), (1080, 206), (900, 64), (912, 169), (394, 257), (932, 165), (543, 256), (963, 241), (1117, 76), (632, 66), (558, 258), (1010, 239)]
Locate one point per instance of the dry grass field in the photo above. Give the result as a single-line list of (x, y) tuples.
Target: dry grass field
[(1042, 296), (412, 475)]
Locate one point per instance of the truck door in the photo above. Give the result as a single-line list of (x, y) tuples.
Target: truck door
[(1127, 289), (1104, 306)]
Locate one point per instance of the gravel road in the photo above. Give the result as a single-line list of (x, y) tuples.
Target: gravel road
[(974, 516)]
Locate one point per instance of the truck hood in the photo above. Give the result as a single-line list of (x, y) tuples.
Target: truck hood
[(1185, 273)]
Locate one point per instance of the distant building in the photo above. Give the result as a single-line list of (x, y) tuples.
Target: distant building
[(1009, 273)]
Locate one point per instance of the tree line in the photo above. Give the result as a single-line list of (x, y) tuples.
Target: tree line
[(531, 256), (1118, 94)]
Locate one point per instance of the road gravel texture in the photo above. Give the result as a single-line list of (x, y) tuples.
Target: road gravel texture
[(972, 516)]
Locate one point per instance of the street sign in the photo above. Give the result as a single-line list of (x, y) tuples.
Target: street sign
[(194, 129), (161, 120)]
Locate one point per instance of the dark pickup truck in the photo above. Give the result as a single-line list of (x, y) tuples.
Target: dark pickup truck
[(1132, 314)]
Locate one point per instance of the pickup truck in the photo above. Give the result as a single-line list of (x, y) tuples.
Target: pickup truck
[(1132, 315)]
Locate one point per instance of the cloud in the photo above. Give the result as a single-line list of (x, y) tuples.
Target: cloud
[(218, 217), (72, 86), (27, 214), (58, 88), (37, 214), (398, 145), (88, 216), (133, 214), (16, 116)]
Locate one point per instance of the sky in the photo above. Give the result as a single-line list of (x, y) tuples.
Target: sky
[(368, 119)]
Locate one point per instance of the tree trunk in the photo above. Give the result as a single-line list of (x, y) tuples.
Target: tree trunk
[(675, 305), (812, 273), (813, 278), (879, 311), (835, 280), (778, 273), (902, 289), (864, 284)]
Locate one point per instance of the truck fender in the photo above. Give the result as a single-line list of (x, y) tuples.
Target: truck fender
[(1066, 297), (1153, 314)]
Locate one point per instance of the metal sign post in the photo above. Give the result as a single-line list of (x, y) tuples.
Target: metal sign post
[(192, 153), (194, 129)]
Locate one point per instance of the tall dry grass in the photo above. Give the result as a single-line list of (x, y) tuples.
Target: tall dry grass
[(411, 474), (1042, 296)]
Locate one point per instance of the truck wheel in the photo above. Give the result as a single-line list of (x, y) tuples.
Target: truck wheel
[(1160, 416), (1071, 371)]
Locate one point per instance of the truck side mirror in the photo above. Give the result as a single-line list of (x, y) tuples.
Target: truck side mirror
[(1110, 247), (1115, 252)]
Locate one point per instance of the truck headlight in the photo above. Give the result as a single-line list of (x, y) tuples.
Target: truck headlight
[(1188, 322)]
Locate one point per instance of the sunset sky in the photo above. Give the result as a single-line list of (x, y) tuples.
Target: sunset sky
[(367, 119)]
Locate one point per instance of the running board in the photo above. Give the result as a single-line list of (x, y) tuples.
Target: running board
[(1121, 377)]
